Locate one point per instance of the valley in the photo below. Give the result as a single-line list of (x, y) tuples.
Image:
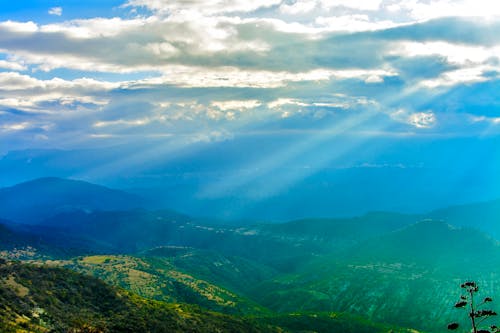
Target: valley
[(374, 273)]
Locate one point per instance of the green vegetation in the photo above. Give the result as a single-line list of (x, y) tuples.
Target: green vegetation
[(159, 279), (41, 299), (311, 275), (321, 322)]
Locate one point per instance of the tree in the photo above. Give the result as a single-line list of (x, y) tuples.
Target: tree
[(476, 315)]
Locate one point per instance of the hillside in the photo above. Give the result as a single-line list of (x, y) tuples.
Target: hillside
[(385, 267), (42, 299), (336, 233), (39, 299), (134, 231), (409, 277), (160, 279)]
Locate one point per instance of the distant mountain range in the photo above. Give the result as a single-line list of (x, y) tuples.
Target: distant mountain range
[(219, 180), (33, 201)]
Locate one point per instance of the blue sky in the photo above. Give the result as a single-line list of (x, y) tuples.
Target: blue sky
[(173, 75)]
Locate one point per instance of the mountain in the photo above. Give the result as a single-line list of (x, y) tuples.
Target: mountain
[(410, 277), (336, 233), (217, 179), (435, 245), (36, 200), (484, 216), (229, 271), (140, 230), (42, 299), (160, 279), (39, 299)]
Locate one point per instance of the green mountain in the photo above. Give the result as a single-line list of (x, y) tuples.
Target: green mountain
[(324, 235), (409, 277), (432, 244), (317, 275), (228, 271), (42, 299), (160, 279), (38, 298), (135, 231)]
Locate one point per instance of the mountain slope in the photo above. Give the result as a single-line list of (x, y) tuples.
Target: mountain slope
[(337, 233), (432, 244), (158, 279), (409, 277), (41, 299), (112, 232), (35, 200)]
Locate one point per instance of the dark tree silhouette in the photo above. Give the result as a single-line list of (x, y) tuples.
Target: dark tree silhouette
[(475, 313)]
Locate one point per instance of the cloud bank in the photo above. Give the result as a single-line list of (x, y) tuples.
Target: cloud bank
[(185, 69)]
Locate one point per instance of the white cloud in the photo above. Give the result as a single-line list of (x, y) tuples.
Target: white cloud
[(19, 27), (280, 102), (371, 5), (13, 81), (15, 126), (270, 59), (355, 22), (461, 76), (425, 119), (189, 76), (457, 54), (491, 120), (23, 92), (208, 7), (124, 122), (236, 104), (12, 65), (422, 119), (426, 10), (96, 27), (299, 7), (57, 11)]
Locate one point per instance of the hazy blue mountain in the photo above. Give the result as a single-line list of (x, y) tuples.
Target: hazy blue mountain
[(10, 239), (36, 200)]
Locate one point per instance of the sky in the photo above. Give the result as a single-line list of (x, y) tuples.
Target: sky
[(326, 78)]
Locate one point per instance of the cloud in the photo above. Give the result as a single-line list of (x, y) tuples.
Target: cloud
[(170, 67), (470, 75), (422, 120), (425, 10), (57, 11), (298, 7), (15, 126), (490, 120), (359, 5), (12, 65), (208, 7), (28, 94)]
